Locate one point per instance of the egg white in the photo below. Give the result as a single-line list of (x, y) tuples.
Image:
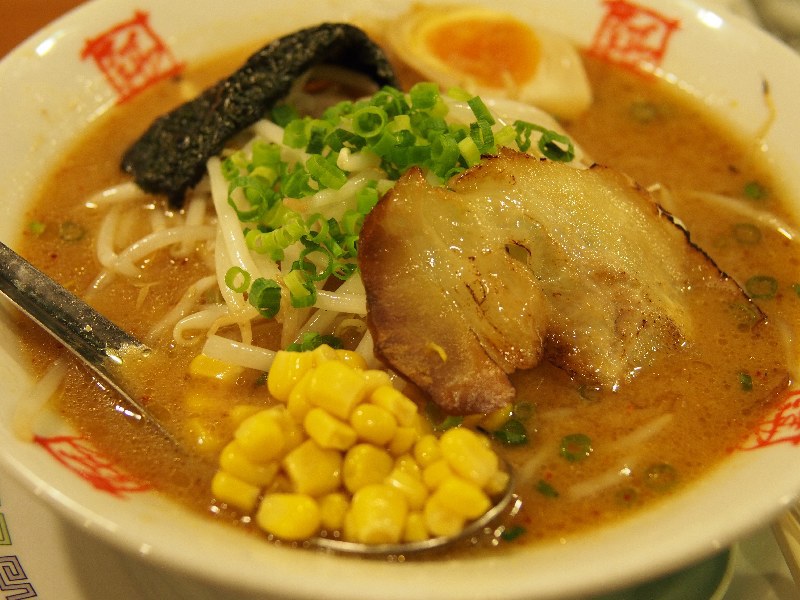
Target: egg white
[(559, 84)]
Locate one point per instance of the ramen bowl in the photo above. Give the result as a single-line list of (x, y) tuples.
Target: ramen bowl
[(72, 72)]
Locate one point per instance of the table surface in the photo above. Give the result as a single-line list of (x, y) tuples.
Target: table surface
[(21, 18), (64, 562)]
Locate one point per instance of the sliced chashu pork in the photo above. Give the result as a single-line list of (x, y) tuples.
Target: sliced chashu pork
[(521, 260)]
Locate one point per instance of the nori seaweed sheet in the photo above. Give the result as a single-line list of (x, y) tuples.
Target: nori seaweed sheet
[(170, 156)]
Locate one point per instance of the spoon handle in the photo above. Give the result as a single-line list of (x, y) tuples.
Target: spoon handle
[(70, 320), (81, 329)]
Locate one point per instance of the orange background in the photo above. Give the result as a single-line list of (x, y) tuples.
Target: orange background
[(21, 18)]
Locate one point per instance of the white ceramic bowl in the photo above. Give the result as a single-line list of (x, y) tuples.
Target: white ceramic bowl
[(52, 86)]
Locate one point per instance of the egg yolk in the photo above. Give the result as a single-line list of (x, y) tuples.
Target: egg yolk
[(493, 53)]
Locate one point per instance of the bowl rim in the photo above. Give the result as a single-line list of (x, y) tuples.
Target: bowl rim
[(84, 510)]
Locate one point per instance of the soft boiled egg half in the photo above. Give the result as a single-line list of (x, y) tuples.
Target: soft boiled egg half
[(492, 53)]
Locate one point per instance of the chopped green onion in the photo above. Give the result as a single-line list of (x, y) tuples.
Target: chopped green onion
[(505, 136), (283, 114), (481, 133), (745, 381), (36, 227), (391, 100), (522, 411), (237, 279), (296, 183), (512, 433), (547, 490), (70, 231), (265, 295), (469, 151), (367, 198), (551, 144), (512, 533), (480, 110), (755, 191), (746, 233), (256, 192), (644, 111), (341, 138), (424, 95), (274, 242), (311, 340), (761, 287), (325, 172), (302, 291), (576, 447), (556, 147), (449, 422), (796, 288), (459, 94), (369, 121), (401, 130), (295, 134)]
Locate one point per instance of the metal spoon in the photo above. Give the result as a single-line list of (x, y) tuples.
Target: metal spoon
[(507, 502), (89, 335), (100, 344)]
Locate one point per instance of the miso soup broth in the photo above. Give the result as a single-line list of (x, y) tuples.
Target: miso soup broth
[(583, 456)]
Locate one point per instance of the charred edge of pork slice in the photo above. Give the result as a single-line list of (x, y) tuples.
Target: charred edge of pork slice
[(610, 277), (759, 316), (170, 156)]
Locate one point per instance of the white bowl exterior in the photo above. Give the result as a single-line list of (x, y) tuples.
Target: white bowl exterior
[(48, 95)]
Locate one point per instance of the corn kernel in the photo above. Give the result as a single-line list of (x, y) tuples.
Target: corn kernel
[(261, 436), (422, 426), (412, 487), (289, 516), (435, 473), (441, 521), (375, 378), (402, 407), (427, 451), (293, 433), (497, 483), (416, 530), (232, 490), (286, 370), (205, 367), (352, 359), (407, 464), (322, 354), (328, 431), (469, 455), (313, 470), (239, 413), (333, 508), (335, 387), (495, 420), (403, 441), (377, 515), (462, 497), (235, 462), (297, 403), (373, 424), (200, 403), (365, 464), (203, 436)]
